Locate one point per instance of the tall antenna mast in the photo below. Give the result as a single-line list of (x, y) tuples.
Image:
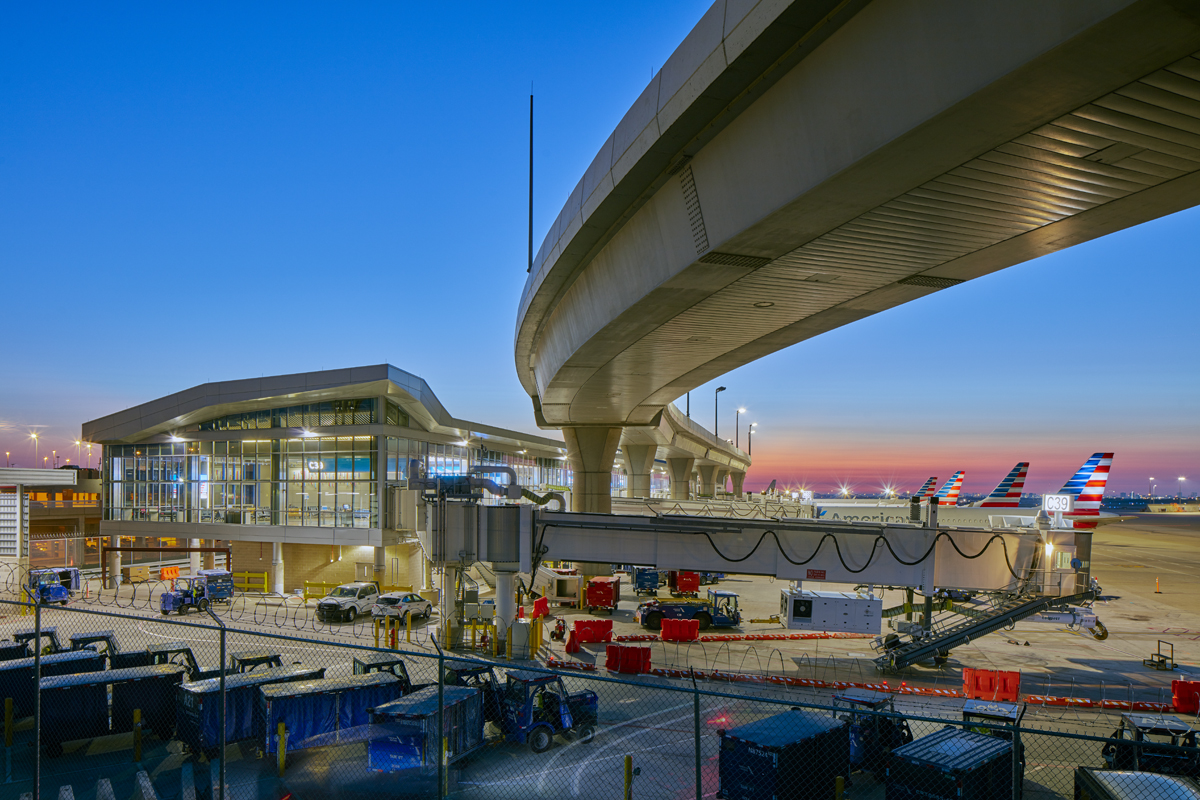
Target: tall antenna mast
[(529, 268)]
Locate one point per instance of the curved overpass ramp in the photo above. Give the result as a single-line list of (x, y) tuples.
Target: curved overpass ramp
[(798, 166)]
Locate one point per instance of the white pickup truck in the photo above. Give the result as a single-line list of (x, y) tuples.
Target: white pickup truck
[(346, 602)]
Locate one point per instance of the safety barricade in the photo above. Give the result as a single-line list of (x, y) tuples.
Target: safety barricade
[(593, 630), (1185, 697), (680, 630), (583, 666), (541, 607), (627, 660), (168, 573), (991, 684)]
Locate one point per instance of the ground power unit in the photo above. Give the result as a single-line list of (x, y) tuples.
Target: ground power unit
[(844, 612)]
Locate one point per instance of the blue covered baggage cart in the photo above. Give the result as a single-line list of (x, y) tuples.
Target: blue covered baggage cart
[(405, 732), (955, 765), (77, 706), (321, 712), (198, 705), (796, 755), (16, 677), (11, 651), (645, 581)]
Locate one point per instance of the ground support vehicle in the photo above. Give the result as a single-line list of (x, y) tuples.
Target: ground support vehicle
[(28, 636), (77, 706), (410, 737), (198, 706), (1100, 784), (399, 605), (645, 581), (196, 591), (320, 712), (875, 730), (719, 610), (247, 660), (683, 584), (16, 676), (603, 592), (711, 577), (1153, 743), (796, 755), (483, 679), (368, 662), (52, 585), (952, 764), (347, 602), (993, 713), (537, 706)]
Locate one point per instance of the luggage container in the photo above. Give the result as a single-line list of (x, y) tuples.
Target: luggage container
[(1099, 784), (952, 764), (77, 706), (796, 755), (645, 581), (1153, 743), (327, 711), (872, 735), (16, 677), (366, 663), (11, 651), (683, 584), (410, 737), (603, 592), (198, 706)]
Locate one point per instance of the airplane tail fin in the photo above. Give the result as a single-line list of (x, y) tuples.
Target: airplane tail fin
[(948, 494), (1008, 493), (1087, 485), (926, 490)]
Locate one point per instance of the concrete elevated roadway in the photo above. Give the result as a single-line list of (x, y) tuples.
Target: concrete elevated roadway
[(795, 167)]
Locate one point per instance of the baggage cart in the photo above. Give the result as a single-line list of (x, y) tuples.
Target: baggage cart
[(198, 706), (603, 592), (410, 738), (1100, 784), (16, 676), (326, 711), (796, 755), (952, 764)]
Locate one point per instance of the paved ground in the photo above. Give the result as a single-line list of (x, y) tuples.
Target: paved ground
[(656, 724)]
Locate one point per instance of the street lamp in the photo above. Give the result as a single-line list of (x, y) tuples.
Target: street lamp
[(55, 454), (78, 454), (89, 446), (34, 436), (1150, 488), (750, 438), (737, 430), (716, 406), (1181, 480), (6, 455)]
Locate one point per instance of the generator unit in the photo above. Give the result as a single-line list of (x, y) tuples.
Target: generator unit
[(844, 612)]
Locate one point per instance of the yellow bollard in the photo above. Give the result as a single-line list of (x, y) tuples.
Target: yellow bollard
[(493, 626), (628, 795), (137, 735), (474, 629), (376, 625), (445, 765), (408, 627), (8, 721), (839, 788), (508, 644), (281, 751)]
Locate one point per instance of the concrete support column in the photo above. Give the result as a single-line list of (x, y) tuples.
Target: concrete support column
[(194, 558), (208, 559), (276, 567), (738, 478), (680, 472), (114, 562), (506, 602), (380, 565), (591, 452), (639, 461), (722, 474), (708, 479)]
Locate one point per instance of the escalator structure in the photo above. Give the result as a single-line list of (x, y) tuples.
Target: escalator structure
[(962, 623)]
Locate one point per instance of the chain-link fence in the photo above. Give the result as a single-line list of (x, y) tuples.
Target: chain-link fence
[(202, 705)]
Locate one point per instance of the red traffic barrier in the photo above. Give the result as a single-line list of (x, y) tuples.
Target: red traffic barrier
[(572, 643), (541, 607), (990, 684), (627, 660), (1185, 697), (593, 630), (554, 663), (680, 630)]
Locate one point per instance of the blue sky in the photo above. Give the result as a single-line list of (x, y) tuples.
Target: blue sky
[(194, 193)]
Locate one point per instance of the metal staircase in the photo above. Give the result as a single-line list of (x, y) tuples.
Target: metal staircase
[(964, 624)]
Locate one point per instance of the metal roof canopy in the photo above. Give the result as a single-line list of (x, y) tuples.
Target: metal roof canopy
[(22, 476)]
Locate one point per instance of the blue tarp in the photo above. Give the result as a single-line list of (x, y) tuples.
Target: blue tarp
[(312, 709), (76, 706), (198, 705), (462, 728), (16, 677)]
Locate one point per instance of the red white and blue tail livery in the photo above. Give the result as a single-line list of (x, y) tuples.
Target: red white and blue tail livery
[(927, 489), (1087, 485), (1008, 493), (948, 494)]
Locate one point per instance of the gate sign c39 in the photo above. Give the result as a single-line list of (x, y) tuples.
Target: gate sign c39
[(1061, 503)]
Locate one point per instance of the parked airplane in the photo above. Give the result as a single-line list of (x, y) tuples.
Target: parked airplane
[(1086, 485), (948, 494), (1008, 493), (928, 489)]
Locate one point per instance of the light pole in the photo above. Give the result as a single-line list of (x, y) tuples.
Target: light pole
[(78, 454), (689, 405), (7, 453), (716, 407), (34, 436), (1150, 488), (1181, 480), (737, 431), (750, 438), (55, 454), (89, 445)]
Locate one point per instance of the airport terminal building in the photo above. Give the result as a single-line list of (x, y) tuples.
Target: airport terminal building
[(300, 475)]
